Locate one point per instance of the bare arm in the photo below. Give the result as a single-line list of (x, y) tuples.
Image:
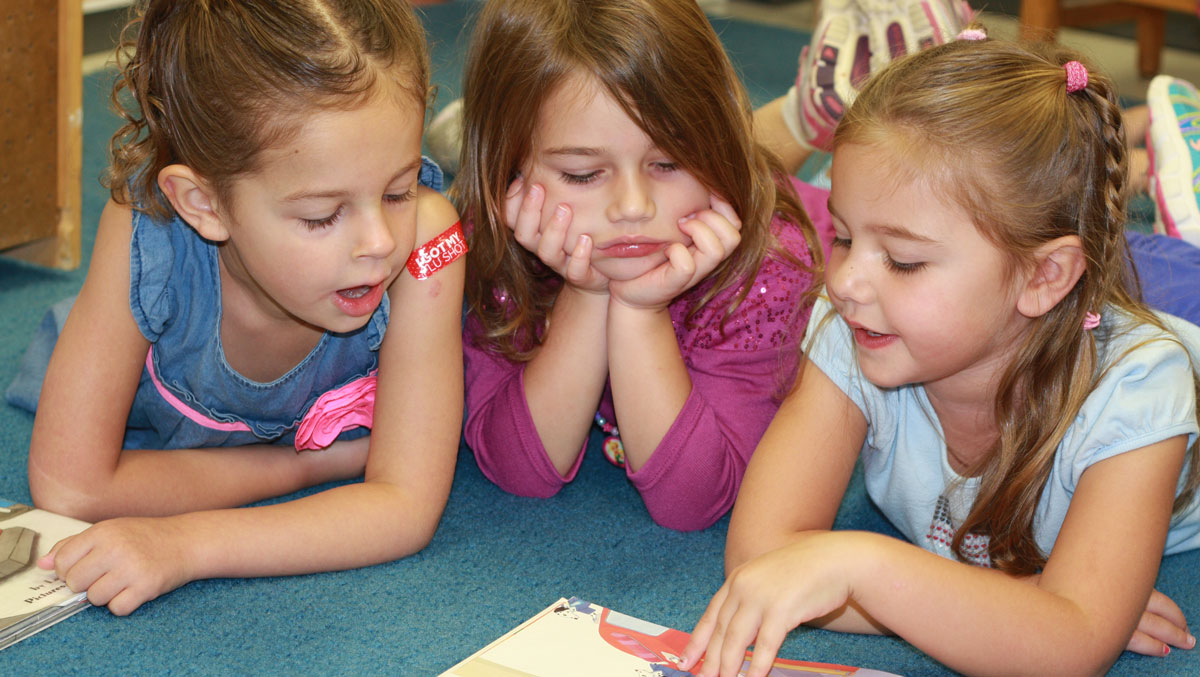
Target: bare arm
[(1077, 619), (564, 380), (812, 443)]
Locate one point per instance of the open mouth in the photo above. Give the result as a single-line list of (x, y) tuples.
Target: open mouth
[(355, 292)]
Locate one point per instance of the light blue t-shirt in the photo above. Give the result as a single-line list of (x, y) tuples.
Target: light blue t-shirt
[(1147, 397)]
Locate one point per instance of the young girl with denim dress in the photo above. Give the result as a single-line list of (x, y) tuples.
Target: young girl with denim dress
[(275, 266)]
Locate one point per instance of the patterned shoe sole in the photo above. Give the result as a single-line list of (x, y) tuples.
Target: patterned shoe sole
[(900, 27), (829, 77), (1174, 146)]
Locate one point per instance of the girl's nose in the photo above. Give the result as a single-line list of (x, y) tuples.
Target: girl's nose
[(631, 200), (846, 278), (375, 238)]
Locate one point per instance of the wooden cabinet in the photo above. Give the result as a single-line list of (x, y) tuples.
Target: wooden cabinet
[(41, 125)]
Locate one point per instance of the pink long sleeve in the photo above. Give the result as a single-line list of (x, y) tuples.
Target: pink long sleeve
[(499, 427)]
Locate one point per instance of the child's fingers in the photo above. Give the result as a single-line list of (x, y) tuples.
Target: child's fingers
[(512, 200), (766, 646), (720, 206), (710, 246), (681, 267), (48, 560), (104, 589), (727, 232), (127, 600), (1155, 633), (739, 634), (1166, 607), (551, 246), (703, 631), (527, 223), (579, 263)]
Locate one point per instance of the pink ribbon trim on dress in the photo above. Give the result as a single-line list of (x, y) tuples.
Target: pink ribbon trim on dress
[(189, 413), (335, 411)]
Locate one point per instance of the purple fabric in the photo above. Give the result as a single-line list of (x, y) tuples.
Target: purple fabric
[(737, 377)]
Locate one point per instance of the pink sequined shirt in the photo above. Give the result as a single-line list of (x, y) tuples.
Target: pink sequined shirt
[(692, 478)]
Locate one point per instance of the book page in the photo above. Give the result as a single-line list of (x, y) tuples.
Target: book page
[(581, 639), (31, 589)]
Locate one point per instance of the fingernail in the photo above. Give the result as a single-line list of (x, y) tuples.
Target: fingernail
[(1191, 641), (1166, 649), (560, 212)]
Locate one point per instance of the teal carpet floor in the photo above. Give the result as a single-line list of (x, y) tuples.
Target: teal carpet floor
[(496, 559)]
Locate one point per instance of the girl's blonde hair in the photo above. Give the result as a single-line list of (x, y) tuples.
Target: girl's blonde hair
[(662, 62), (994, 126), (212, 83)]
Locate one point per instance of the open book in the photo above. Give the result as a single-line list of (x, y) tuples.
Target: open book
[(581, 639), (32, 599)]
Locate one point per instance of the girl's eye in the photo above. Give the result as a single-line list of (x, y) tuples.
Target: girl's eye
[(902, 268), (318, 224), (667, 166), (403, 197), (580, 179), (841, 242)]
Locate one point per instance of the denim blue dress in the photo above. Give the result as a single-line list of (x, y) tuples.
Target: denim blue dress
[(188, 396)]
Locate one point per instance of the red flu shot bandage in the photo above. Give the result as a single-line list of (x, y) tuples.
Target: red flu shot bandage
[(438, 253)]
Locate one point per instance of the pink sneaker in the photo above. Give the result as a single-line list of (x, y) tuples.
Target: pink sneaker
[(832, 68), (899, 27), (1173, 143)]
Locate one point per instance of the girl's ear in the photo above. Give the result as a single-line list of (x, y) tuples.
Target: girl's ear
[(1058, 265), (194, 200)]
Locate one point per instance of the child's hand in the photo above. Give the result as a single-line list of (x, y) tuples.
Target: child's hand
[(762, 600), (1161, 626), (523, 214), (715, 233), (122, 563)]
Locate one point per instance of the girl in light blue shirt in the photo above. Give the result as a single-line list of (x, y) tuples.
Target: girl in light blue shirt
[(1021, 416)]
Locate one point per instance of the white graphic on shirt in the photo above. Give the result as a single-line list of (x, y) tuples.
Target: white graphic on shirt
[(941, 535)]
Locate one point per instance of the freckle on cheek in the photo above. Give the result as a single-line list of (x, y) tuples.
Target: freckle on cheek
[(435, 288)]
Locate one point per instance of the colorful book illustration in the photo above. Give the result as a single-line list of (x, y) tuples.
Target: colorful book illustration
[(32, 599), (581, 639)]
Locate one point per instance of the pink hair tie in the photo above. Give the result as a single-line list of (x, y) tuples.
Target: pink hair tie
[(971, 34), (1077, 76), (1091, 320)]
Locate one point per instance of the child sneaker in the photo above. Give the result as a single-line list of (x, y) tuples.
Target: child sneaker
[(831, 70), (899, 27), (1173, 143)]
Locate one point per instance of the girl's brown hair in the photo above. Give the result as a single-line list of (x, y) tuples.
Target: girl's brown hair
[(663, 63), (212, 83), (993, 124)]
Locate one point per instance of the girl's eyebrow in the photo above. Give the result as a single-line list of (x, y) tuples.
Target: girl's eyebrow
[(887, 229), (573, 150), (305, 194)]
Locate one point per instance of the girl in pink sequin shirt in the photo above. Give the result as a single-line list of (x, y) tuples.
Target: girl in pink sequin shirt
[(635, 258)]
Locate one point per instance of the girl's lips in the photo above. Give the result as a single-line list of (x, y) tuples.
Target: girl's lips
[(359, 301), (629, 250), (870, 340)]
